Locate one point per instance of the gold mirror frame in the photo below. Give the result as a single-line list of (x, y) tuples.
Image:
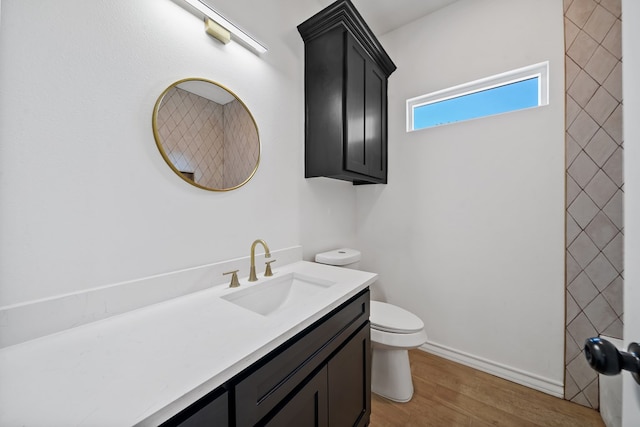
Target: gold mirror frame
[(160, 128)]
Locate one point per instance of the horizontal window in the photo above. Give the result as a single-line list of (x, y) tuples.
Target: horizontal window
[(511, 91)]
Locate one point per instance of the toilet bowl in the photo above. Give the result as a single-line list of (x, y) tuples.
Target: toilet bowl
[(394, 331)]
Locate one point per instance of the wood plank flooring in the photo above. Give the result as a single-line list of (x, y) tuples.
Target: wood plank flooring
[(448, 394)]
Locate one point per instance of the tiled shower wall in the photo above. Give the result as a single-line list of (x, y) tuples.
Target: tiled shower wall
[(595, 188), (215, 142)]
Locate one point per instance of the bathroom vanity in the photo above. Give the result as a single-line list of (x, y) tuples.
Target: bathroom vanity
[(320, 377), (294, 346)]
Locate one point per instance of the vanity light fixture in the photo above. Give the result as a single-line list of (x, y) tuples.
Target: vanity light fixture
[(220, 28)]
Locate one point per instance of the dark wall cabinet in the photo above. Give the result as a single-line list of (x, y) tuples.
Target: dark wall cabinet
[(321, 377), (346, 72)]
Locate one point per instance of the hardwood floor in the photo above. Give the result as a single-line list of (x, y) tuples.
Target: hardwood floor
[(449, 394)]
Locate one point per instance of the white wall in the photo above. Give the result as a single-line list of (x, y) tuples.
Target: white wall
[(631, 95), (86, 198), (469, 232)]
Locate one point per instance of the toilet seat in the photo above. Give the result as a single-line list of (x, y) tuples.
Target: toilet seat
[(390, 318)]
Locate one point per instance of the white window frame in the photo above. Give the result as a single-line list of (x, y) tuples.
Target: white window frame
[(540, 70)]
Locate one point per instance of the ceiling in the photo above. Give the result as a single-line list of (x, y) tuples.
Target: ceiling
[(387, 15)]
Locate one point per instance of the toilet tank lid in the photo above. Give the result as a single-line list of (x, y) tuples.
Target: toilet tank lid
[(341, 256)]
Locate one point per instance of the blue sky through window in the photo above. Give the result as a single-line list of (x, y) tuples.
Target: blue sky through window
[(501, 99)]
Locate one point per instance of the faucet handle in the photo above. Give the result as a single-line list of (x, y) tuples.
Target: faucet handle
[(267, 271), (234, 278)]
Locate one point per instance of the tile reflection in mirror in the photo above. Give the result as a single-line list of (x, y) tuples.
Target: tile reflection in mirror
[(206, 134)]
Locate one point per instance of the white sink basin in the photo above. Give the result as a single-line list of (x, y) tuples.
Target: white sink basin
[(279, 293)]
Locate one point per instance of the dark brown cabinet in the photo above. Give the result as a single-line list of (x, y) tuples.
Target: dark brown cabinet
[(320, 377), (307, 407), (346, 72), (349, 382), (339, 394), (211, 410)]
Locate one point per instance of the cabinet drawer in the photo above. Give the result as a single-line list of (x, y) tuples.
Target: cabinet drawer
[(274, 377)]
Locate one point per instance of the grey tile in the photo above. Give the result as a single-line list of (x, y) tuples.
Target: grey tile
[(572, 110), (581, 372), (572, 309), (613, 41), (583, 129), (572, 349), (571, 30), (616, 330), (582, 290), (613, 84), (600, 313), (613, 6), (613, 167), (572, 229), (601, 105), (615, 253), (565, 5), (614, 209), (599, 23), (601, 189), (601, 272), (570, 387), (601, 64), (582, 88), (583, 250), (580, 399), (601, 230), (573, 189), (580, 11), (583, 169), (613, 125), (583, 210), (591, 392), (601, 147), (582, 49), (580, 329), (614, 294), (573, 269)]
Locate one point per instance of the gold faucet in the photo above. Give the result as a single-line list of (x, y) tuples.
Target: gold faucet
[(234, 278), (268, 272), (267, 254)]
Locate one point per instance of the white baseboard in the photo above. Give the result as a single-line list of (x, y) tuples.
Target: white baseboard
[(545, 385)]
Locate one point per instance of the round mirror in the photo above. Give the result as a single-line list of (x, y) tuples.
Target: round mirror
[(206, 135)]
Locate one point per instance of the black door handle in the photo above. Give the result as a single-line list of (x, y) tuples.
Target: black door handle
[(605, 358)]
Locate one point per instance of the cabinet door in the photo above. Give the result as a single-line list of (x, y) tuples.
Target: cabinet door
[(307, 407), (365, 114), (212, 410), (349, 382), (355, 152), (376, 122)]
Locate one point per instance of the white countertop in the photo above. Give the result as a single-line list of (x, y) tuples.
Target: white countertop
[(141, 367)]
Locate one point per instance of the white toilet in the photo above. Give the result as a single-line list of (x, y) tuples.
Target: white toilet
[(393, 332)]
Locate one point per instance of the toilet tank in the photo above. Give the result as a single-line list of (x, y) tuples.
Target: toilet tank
[(344, 257)]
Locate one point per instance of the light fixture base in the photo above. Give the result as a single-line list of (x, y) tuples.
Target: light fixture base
[(215, 30)]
